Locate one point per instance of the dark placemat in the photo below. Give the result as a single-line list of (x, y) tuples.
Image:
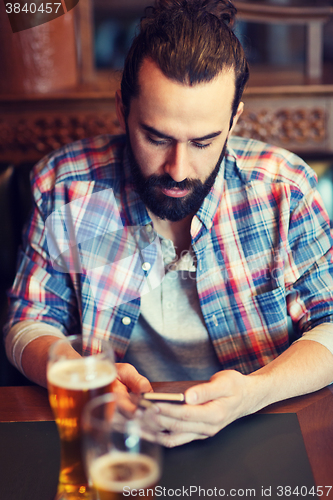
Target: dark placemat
[(29, 460), (258, 456), (255, 455)]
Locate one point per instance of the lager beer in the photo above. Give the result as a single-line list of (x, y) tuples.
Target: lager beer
[(71, 384), (122, 454), (117, 473)]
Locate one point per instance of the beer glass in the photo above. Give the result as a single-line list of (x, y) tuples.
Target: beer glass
[(122, 456), (78, 370)]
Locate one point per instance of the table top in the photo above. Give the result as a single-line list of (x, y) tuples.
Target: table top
[(314, 412)]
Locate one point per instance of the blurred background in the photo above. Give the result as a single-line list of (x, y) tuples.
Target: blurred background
[(275, 44)]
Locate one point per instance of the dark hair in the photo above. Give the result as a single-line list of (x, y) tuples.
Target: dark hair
[(191, 41)]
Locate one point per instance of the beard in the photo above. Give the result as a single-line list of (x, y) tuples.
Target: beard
[(167, 207)]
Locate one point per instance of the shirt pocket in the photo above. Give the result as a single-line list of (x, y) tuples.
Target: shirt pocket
[(272, 308), (257, 314)]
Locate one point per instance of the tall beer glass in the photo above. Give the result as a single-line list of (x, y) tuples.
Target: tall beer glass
[(122, 456), (78, 370)]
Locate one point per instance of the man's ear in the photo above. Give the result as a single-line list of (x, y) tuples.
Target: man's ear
[(237, 115), (120, 111)]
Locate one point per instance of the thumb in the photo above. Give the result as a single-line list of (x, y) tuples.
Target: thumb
[(130, 377), (203, 393)]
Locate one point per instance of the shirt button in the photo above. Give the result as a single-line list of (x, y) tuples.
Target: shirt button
[(126, 321), (209, 225), (149, 228), (146, 266)]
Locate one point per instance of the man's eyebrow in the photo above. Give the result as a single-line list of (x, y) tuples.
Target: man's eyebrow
[(156, 132), (208, 136)]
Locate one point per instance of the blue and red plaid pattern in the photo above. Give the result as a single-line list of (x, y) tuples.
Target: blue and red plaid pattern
[(261, 239)]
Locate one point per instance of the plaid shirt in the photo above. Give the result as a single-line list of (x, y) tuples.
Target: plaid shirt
[(261, 240)]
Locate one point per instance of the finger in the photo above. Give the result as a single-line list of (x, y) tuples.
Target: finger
[(172, 440), (119, 388), (176, 426), (218, 386), (154, 421), (130, 377), (150, 424), (212, 412)]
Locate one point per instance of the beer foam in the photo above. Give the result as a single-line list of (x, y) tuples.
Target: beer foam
[(81, 373), (104, 469)]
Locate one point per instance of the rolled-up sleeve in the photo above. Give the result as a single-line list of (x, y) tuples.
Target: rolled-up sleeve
[(40, 292)]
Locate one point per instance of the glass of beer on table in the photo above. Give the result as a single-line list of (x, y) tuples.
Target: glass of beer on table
[(78, 370), (122, 456)]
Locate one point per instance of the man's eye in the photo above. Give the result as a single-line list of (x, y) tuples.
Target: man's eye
[(200, 145), (156, 142)]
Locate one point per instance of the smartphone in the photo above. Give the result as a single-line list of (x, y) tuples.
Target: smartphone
[(163, 397)]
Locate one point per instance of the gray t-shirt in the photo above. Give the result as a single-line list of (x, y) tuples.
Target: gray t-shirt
[(170, 340)]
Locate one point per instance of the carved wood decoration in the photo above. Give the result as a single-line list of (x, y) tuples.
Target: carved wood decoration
[(297, 127), (29, 137)]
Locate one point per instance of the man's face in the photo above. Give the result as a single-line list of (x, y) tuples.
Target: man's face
[(177, 139)]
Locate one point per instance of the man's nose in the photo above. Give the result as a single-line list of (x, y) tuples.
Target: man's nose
[(177, 164)]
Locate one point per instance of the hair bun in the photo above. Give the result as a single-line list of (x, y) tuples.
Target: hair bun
[(224, 10)]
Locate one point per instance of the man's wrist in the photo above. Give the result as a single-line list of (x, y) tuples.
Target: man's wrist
[(260, 389), (35, 357)]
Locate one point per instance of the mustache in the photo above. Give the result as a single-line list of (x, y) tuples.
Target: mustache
[(166, 181)]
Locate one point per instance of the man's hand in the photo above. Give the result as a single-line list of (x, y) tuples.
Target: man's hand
[(209, 407), (304, 367), (129, 380)]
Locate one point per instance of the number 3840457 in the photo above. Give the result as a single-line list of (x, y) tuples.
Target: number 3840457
[(303, 491), (32, 8)]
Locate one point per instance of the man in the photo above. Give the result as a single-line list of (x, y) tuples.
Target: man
[(237, 225)]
